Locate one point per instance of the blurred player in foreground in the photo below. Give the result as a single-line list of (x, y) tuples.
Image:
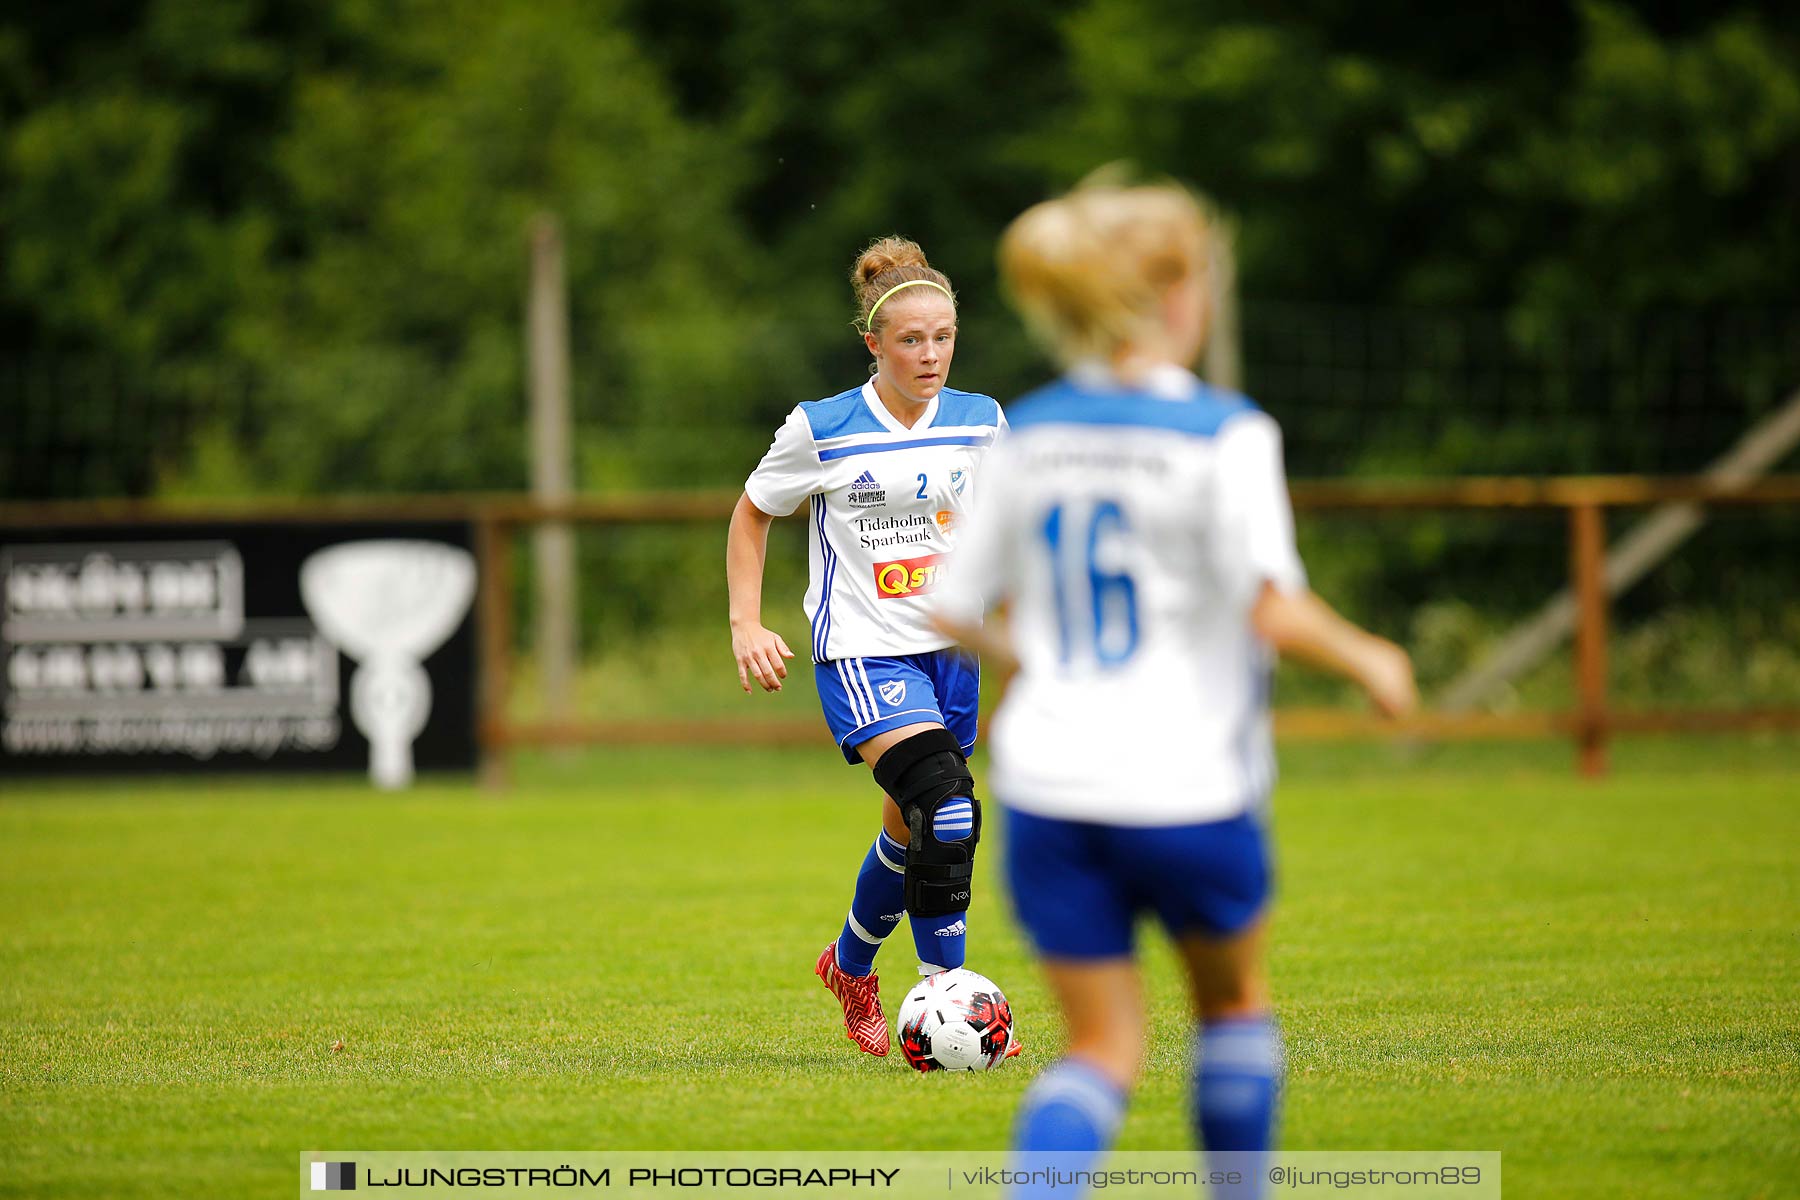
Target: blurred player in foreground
[(889, 467), (1137, 529)]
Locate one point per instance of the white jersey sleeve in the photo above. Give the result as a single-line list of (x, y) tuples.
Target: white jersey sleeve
[(789, 472), (1252, 536)]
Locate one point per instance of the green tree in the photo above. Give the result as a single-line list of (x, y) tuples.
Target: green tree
[(1519, 154), (397, 325), (326, 204), (321, 205), (130, 138)]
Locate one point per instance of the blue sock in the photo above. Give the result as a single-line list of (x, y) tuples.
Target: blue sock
[(877, 906), (1066, 1121), (940, 940), (1237, 1078)]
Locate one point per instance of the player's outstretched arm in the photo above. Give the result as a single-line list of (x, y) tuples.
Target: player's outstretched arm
[(758, 651), (1301, 625)]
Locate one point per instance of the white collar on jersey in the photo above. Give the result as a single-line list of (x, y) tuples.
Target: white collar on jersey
[(1165, 381), (888, 420)]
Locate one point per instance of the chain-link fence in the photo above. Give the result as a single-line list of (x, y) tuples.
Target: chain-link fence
[(1364, 392)]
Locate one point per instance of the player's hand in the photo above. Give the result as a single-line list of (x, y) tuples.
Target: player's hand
[(1387, 676), (759, 652)]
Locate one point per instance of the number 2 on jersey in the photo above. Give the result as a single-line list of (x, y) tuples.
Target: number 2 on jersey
[(1110, 632)]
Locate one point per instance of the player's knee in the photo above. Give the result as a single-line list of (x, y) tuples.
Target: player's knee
[(954, 820), (929, 779)]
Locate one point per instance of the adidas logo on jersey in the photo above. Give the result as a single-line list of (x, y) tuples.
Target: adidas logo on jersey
[(866, 491), (956, 930)]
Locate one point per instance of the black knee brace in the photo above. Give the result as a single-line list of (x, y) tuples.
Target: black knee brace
[(921, 773)]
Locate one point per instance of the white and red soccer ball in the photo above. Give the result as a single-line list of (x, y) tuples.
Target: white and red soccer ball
[(955, 1021)]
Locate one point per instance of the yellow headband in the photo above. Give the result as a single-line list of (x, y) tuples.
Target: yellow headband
[(876, 307)]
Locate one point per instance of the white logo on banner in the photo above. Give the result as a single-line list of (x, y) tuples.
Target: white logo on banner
[(389, 605)]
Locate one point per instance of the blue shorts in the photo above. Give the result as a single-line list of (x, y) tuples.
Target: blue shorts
[(1078, 887), (866, 696)]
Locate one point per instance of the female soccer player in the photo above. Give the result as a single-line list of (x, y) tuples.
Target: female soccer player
[(890, 467), (1136, 525)]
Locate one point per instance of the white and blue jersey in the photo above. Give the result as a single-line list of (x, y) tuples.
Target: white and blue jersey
[(887, 505), (1129, 529)]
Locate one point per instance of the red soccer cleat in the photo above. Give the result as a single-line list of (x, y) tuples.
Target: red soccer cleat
[(1013, 1048), (864, 1022)]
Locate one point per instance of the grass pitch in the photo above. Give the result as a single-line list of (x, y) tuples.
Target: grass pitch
[(1600, 980)]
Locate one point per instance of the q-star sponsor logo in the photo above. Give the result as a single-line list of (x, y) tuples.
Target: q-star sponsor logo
[(908, 577)]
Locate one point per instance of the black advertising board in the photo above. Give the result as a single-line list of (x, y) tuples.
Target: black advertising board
[(238, 646)]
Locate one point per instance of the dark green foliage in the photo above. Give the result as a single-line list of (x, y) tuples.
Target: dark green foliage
[(325, 203), (1537, 154), (334, 198)]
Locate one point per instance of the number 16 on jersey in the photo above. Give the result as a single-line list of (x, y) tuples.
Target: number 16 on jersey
[(1096, 597)]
